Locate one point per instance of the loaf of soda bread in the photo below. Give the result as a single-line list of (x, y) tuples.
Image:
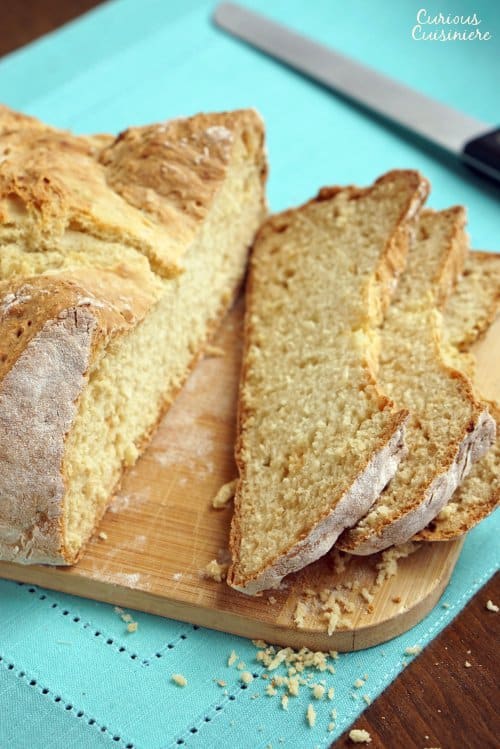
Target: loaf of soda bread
[(118, 258)]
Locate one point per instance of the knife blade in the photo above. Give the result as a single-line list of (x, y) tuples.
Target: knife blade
[(476, 143)]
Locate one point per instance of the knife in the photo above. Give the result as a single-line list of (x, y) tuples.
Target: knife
[(475, 143)]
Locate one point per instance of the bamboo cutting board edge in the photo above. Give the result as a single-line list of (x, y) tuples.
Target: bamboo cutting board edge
[(236, 623)]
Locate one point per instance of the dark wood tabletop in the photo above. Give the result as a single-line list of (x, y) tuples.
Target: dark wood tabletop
[(436, 701)]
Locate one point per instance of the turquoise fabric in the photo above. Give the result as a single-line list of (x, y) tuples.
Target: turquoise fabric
[(70, 674)]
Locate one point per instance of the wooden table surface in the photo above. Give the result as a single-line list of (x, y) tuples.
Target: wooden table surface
[(436, 701)]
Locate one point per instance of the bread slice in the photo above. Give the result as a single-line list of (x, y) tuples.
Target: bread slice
[(118, 257), (475, 302), (476, 497), (469, 311), (318, 439), (449, 428)]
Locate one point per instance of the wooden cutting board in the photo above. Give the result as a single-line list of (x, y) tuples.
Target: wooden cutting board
[(162, 532)]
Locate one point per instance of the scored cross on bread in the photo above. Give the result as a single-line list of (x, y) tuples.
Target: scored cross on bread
[(118, 258), (318, 439), (449, 427)]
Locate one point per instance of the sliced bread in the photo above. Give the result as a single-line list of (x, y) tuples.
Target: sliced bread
[(449, 428), (473, 305), (476, 497), (318, 439), (475, 302), (118, 257)]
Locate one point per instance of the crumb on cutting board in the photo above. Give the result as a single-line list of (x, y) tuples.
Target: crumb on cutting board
[(492, 606), (225, 494), (132, 627), (215, 571), (388, 566)]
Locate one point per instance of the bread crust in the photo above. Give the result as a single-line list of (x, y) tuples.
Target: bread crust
[(54, 329), (399, 530), (378, 468)]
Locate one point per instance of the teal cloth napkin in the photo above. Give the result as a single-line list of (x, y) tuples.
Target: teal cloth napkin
[(70, 673)]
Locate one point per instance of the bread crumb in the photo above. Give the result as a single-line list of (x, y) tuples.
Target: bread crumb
[(388, 566), (396, 599), (491, 606), (413, 650), (311, 716), (339, 561), (271, 600), (270, 690), (467, 664), (132, 627), (259, 643), (331, 693), (179, 679), (301, 611), (241, 666), (118, 610), (232, 658), (365, 593), (360, 736), (221, 683), (293, 686), (103, 536), (215, 571), (367, 699), (359, 683), (246, 677), (214, 351), (318, 691), (126, 617), (284, 702), (225, 494)]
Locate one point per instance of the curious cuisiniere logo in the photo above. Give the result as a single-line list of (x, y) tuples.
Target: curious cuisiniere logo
[(448, 28)]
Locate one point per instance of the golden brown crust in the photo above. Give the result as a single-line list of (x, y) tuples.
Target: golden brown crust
[(150, 188), (475, 498)]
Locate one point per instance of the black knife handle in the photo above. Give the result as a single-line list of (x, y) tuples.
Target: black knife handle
[(483, 154)]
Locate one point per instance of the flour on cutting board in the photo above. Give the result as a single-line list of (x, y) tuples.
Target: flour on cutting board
[(122, 501)]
